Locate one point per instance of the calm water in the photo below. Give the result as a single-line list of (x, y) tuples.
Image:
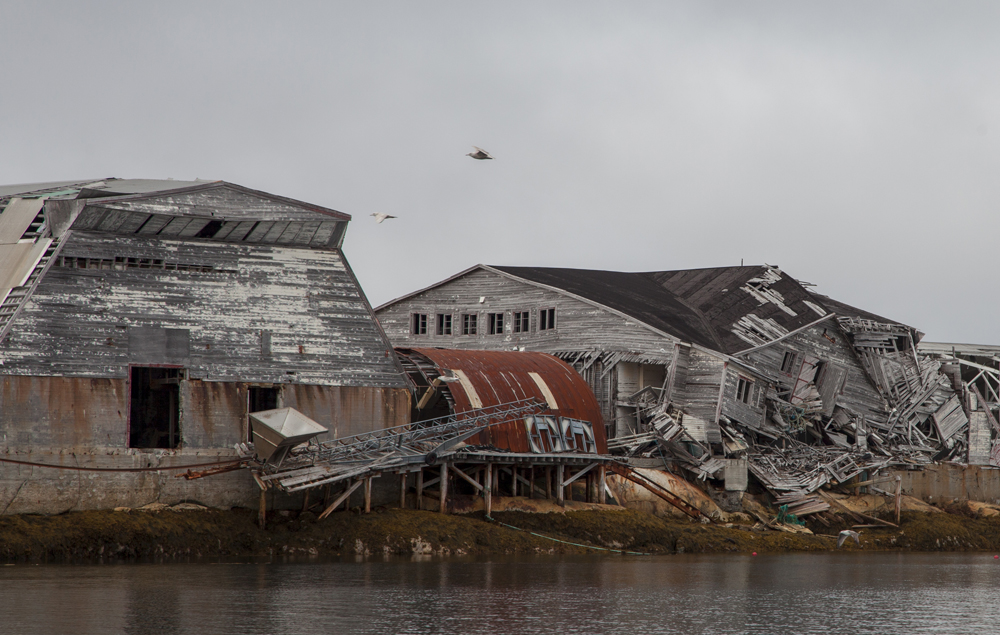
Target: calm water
[(798, 593)]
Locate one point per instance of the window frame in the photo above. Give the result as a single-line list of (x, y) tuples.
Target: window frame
[(547, 319), (496, 323), (744, 390), (418, 323), (470, 324), (444, 324), (520, 322)]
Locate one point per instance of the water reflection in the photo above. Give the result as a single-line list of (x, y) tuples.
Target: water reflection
[(807, 593)]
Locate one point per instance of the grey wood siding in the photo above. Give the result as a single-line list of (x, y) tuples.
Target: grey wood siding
[(750, 413), (231, 298), (579, 326), (702, 385), (858, 393)]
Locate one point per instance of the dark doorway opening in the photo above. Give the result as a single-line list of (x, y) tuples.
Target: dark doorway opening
[(154, 412), (260, 398)]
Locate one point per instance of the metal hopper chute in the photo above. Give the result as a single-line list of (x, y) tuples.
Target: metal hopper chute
[(275, 432)]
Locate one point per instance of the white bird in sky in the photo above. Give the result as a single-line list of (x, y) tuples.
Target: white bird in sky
[(479, 154), (379, 216), (847, 533)]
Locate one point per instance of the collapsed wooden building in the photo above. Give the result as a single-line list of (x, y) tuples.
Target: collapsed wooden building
[(142, 320), (711, 369)]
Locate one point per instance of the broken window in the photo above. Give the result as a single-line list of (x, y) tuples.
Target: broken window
[(496, 323), (444, 324), (522, 321), (418, 325), (744, 390), (154, 407), (546, 319), (469, 323), (578, 436), (544, 435), (788, 362)]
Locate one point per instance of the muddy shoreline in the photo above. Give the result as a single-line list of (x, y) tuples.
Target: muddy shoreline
[(168, 534)]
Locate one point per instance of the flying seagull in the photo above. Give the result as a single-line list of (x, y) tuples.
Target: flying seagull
[(379, 217), (479, 154), (847, 533)]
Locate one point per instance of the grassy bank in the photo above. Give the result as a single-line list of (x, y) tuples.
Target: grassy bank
[(169, 535)]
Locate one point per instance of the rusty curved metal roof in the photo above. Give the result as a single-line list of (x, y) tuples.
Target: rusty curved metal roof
[(489, 378)]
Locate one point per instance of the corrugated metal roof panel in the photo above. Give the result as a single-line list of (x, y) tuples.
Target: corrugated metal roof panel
[(499, 377)]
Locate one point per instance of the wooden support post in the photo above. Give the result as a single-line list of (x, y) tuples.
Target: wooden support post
[(420, 489), (488, 488), (262, 512), (560, 488), (402, 490), (590, 487), (513, 480), (443, 501), (340, 499), (602, 487), (531, 481), (548, 482), (305, 502), (368, 495), (899, 489)]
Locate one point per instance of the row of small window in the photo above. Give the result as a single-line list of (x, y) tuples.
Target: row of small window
[(469, 323), (121, 264)]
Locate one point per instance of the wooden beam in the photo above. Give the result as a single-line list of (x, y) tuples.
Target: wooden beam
[(443, 500), (340, 499), (468, 478), (602, 476), (420, 488), (560, 489), (580, 473), (488, 492), (368, 495)]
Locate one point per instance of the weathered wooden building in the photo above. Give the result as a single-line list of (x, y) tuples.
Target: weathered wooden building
[(142, 320), (712, 342)]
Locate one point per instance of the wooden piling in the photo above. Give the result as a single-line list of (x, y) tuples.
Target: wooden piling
[(402, 490), (560, 488), (488, 488), (262, 512), (602, 488), (420, 489), (548, 482), (368, 495), (443, 502)]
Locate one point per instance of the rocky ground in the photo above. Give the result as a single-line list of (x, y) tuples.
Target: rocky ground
[(188, 531)]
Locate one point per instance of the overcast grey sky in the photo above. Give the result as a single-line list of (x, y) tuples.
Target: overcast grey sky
[(855, 145)]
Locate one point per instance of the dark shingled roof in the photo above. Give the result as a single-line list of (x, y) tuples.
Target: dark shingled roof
[(635, 294), (702, 306)]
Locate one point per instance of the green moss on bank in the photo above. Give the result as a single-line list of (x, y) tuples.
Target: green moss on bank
[(137, 535)]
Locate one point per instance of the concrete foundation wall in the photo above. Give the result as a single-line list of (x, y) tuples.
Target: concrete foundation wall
[(83, 422), (943, 483)]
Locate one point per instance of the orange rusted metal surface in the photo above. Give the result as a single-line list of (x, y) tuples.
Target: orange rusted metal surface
[(498, 377)]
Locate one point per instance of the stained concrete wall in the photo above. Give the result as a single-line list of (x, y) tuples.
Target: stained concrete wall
[(947, 482), (83, 422)]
